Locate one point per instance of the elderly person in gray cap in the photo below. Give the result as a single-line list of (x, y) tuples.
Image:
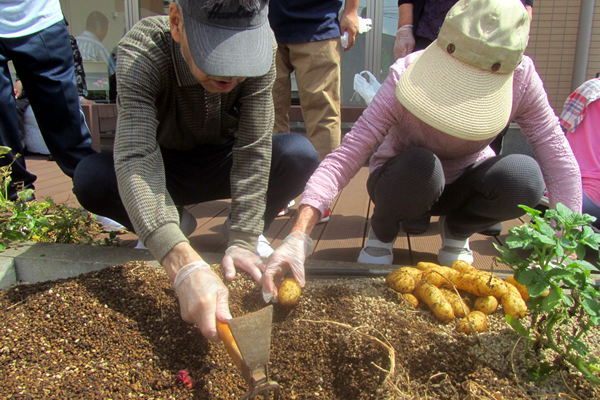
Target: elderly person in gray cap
[(195, 116), (432, 122)]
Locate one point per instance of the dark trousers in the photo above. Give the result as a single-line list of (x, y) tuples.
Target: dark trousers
[(411, 185), (200, 175), (44, 63)]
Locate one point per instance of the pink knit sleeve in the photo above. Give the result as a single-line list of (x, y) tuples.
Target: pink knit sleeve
[(339, 167)]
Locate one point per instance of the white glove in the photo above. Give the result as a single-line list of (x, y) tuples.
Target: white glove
[(289, 256), (238, 257), (203, 298), (405, 41)]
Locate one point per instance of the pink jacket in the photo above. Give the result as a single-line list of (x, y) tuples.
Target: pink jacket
[(388, 124)]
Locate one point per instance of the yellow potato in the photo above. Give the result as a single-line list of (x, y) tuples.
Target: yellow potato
[(426, 292), (480, 284), (463, 266), (289, 292), (440, 276), (411, 299), (486, 305), (513, 303), (401, 281), (455, 301), (478, 320), (424, 266)]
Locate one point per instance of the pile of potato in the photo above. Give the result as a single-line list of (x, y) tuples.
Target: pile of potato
[(435, 286)]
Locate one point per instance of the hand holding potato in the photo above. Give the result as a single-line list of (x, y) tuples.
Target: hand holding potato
[(289, 256)]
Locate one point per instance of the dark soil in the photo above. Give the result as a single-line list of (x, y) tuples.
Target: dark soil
[(117, 334)]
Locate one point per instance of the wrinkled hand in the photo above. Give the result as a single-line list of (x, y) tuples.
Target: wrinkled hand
[(405, 41), (349, 23), (289, 256), (203, 298), (238, 257)]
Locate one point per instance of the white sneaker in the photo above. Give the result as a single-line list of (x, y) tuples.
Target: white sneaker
[(376, 251), (187, 224), (452, 249), (109, 225)]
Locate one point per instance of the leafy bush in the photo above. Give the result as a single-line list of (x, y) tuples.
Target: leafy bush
[(558, 321), (27, 219)]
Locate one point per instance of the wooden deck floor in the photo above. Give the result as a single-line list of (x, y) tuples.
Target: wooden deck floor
[(340, 239)]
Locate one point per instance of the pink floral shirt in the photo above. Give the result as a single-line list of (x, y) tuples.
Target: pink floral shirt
[(387, 124)]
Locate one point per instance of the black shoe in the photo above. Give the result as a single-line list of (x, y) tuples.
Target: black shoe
[(416, 226), (493, 230)]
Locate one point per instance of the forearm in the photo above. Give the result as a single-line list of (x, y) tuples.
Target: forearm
[(405, 14), (307, 219)]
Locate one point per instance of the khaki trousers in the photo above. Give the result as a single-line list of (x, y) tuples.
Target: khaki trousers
[(317, 66)]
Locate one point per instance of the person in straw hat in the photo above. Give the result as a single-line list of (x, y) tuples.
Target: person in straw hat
[(433, 119)]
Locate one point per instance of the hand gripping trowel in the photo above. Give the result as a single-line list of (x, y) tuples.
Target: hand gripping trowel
[(248, 342)]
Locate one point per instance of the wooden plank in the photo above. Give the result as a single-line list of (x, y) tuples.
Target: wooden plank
[(343, 236)]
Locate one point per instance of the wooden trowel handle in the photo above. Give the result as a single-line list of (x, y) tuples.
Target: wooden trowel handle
[(230, 344)]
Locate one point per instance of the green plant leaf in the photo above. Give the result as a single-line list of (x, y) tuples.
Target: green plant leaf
[(517, 325), (540, 372), (591, 306), (552, 300), (529, 276), (558, 273), (578, 346)]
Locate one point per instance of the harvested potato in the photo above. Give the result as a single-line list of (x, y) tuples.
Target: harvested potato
[(513, 303), (426, 292), (522, 288), (424, 266), (463, 266), (414, 272), (486, 305), (411, 299), (478, 320), (440, 276), (402, 281), (480, 284), (455, 301), (289, 292)]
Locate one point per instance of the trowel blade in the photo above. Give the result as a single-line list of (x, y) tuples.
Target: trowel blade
[(252, 333)]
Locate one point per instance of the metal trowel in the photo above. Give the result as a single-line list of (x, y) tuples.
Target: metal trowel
[(248, 342)]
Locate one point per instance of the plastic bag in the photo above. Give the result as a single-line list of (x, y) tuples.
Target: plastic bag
[(366, 88)]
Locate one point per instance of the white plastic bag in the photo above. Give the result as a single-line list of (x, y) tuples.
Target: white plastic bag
[(366, 87)]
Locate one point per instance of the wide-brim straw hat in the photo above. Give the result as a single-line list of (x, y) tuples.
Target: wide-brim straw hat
[(462, 83)]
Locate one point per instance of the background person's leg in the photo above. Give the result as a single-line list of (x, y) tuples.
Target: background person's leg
[(405, 187), (9, 126), (44, 62), (318, 70), (282, 90)]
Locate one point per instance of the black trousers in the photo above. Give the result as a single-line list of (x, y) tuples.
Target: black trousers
[(199, 175), (411, 185)]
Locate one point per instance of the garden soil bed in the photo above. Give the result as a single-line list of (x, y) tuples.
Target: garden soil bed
[(117, 334)]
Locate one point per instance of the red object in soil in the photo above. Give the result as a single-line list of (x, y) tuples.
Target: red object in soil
[(185, 379)]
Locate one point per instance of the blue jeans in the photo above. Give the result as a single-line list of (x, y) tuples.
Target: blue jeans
[(199, 175), (589, 207), (44, 63)]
